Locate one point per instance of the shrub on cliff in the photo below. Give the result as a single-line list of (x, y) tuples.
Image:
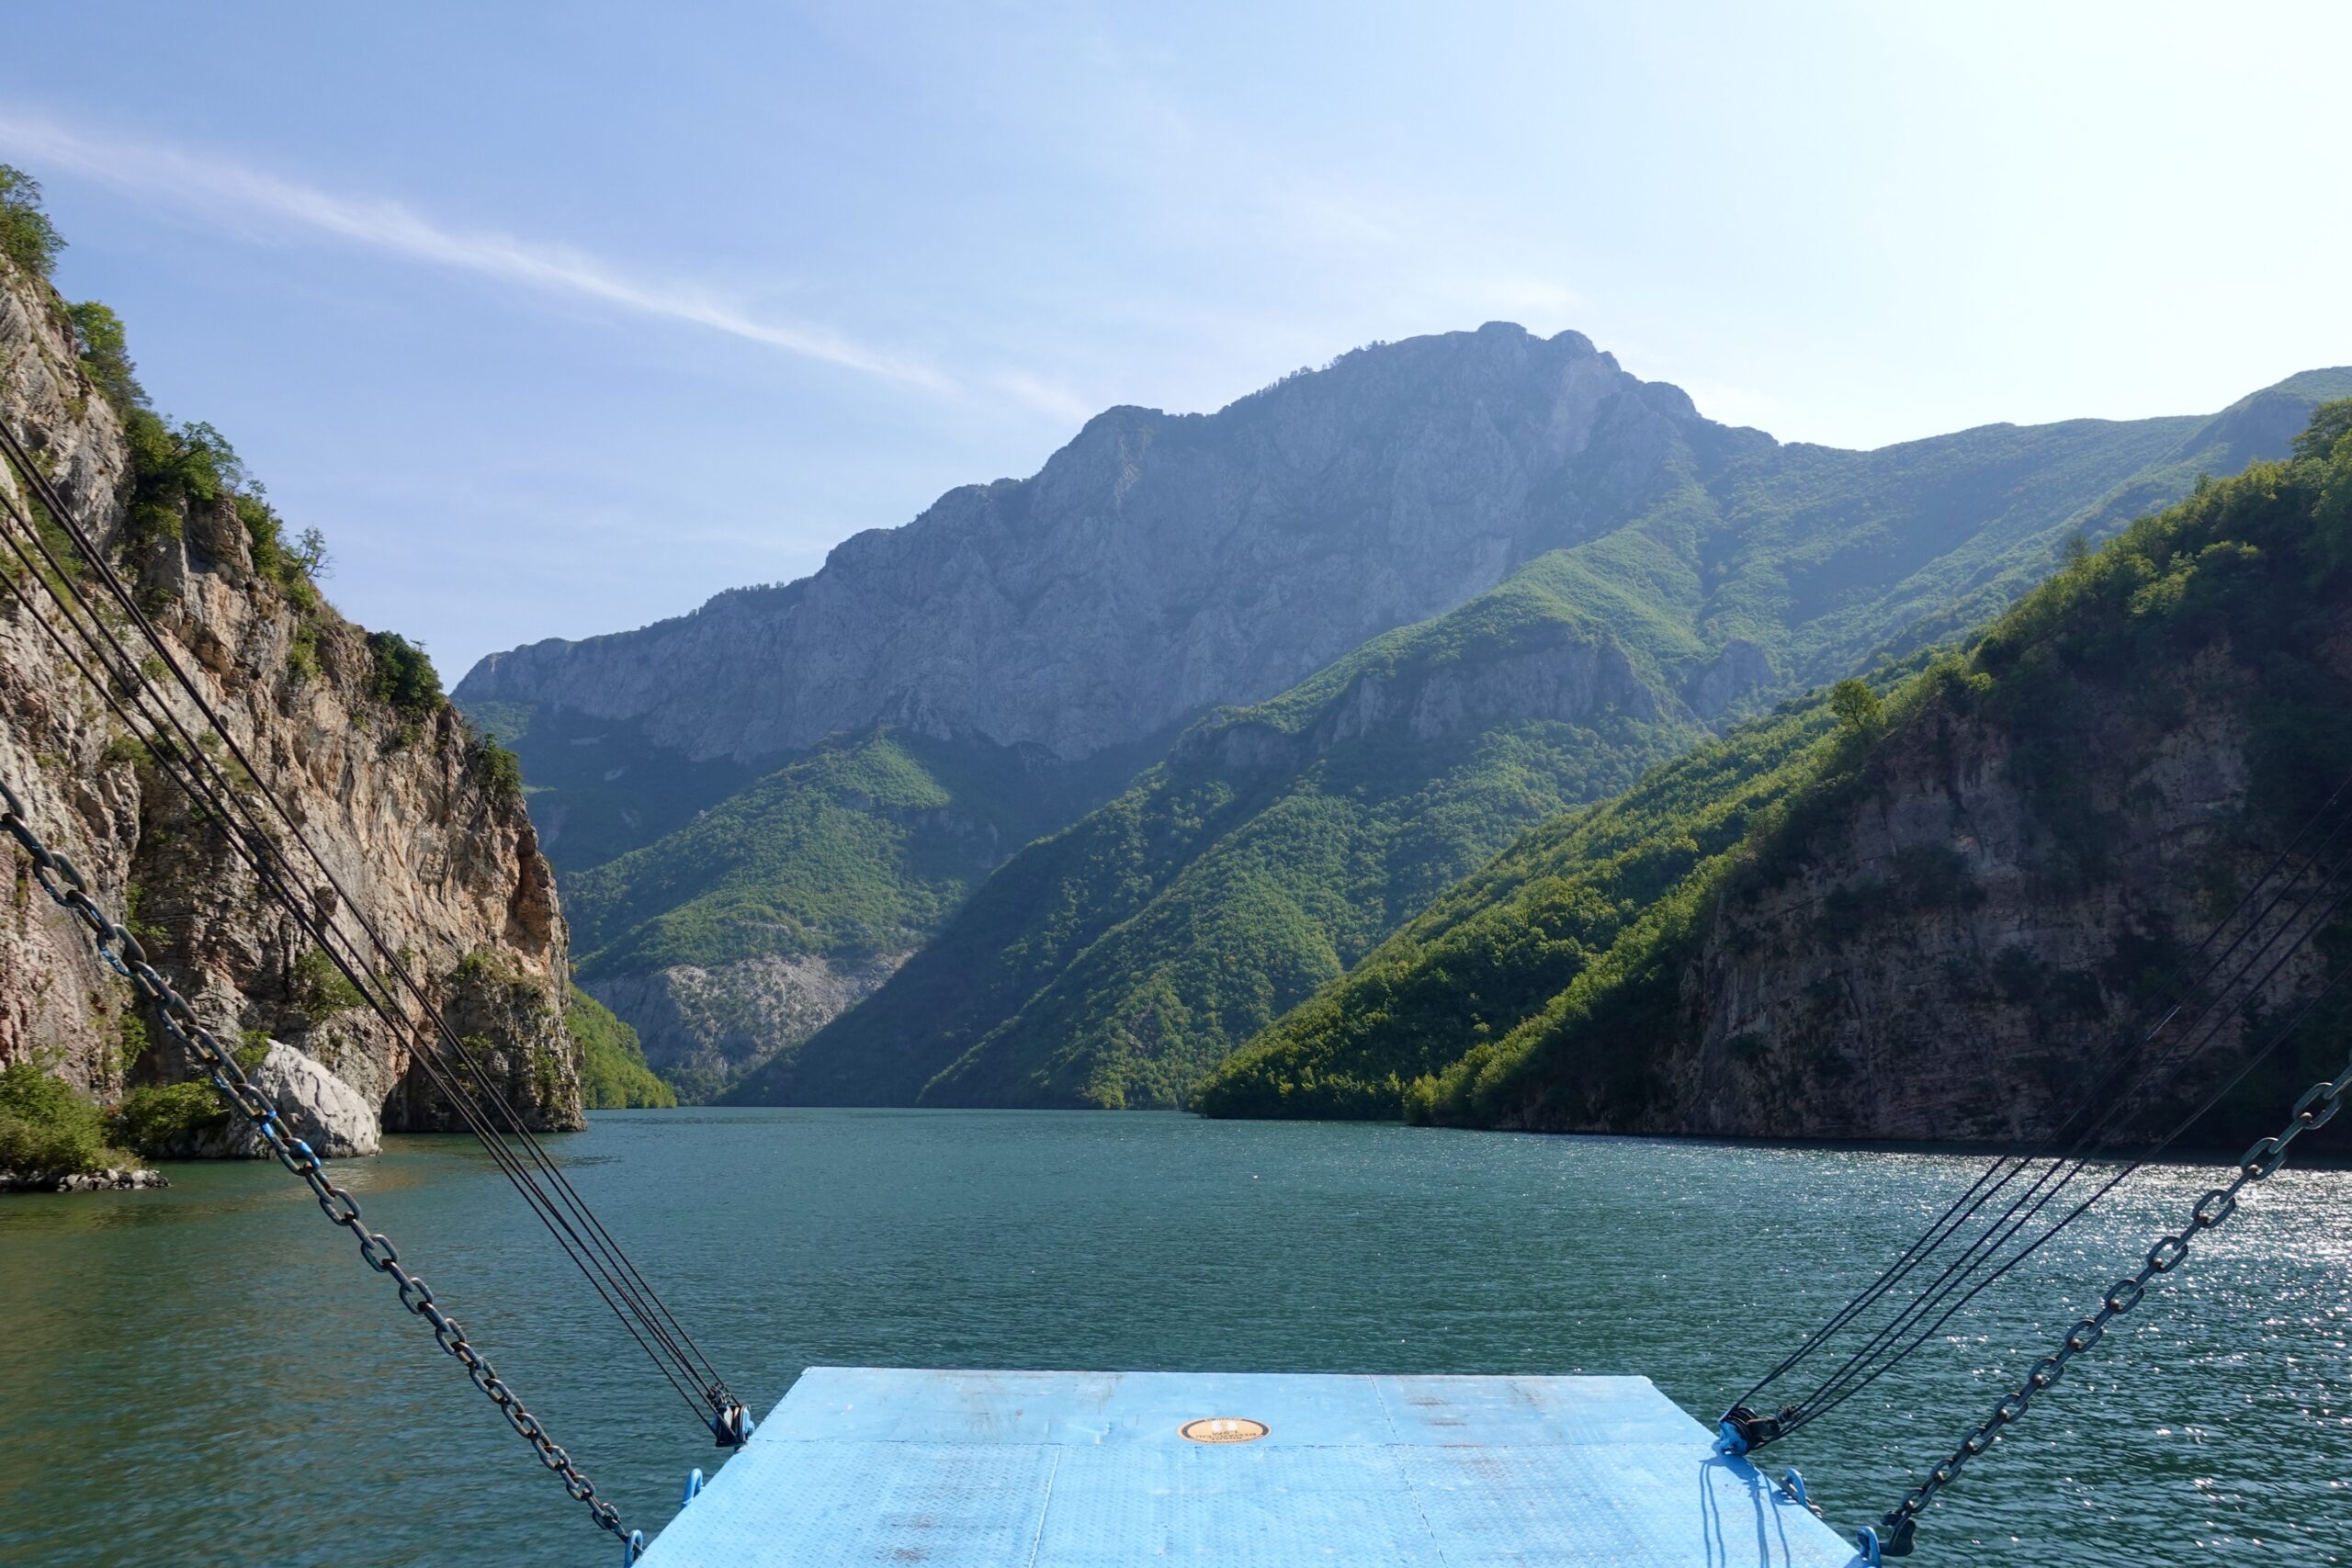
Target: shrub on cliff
[(104, 351), (156, 1119), (46, 1127), (27, 236), (500, 770), (404, 677), (319, 990), (173, 466)]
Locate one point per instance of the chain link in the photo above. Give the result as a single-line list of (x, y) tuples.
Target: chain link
[(65, 884), (2316, 1108)]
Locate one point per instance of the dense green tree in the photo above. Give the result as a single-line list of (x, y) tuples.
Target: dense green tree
[(613, 1074), (1856, 706), (46, 1127), (27, 236), (404, 676)]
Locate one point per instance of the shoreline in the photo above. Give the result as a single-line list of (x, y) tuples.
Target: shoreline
[(112, 1178)]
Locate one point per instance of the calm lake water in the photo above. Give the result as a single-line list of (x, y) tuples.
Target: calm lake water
[(207, 1374)]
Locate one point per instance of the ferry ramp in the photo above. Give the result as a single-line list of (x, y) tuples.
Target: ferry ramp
[(1090, 1469)]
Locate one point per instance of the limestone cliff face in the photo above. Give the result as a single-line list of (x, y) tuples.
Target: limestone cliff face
[(1952, 957), (703, 1026), (1160, 564), (441, 857)]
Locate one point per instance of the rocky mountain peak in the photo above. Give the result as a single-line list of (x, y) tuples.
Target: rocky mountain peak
[(1158, 564)]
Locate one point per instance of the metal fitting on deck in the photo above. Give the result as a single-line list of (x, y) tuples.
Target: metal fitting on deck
[(1742, 1429)]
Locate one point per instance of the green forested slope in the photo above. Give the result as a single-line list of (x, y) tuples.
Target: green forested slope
[(1112, 963), (613, 1074), (1553, 990), (1119, 962), (597, 789), (1497, 947), (859, 848), (1924, 542)]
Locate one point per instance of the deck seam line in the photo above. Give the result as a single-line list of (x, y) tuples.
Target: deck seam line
[(1404, 1471), (1044, 1506)]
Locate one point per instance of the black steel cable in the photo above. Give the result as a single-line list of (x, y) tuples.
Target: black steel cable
[(2277, 1039), (245, 835), (656, 1314), (2122, 1076), (208, 803), (1980, 1252), (120, 951), (2314, 1109), (1929, 1241), (1832, 1390)]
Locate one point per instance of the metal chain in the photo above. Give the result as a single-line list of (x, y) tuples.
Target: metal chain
[(124, 954), (2316, 1109), (536, 1177)]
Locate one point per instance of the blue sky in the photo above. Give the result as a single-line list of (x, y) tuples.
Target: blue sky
[(560, 319)]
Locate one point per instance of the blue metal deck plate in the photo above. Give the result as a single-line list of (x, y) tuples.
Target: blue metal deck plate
[(1089, 1469)]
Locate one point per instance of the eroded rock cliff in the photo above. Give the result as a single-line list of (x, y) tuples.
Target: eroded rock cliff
[(419, 822), (1969, 937)]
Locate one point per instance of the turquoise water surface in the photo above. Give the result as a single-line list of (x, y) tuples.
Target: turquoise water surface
[(208, 1375)]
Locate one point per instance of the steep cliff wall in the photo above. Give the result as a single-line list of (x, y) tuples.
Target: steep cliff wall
[(1955, 913), (1967, 936), (423, 827)]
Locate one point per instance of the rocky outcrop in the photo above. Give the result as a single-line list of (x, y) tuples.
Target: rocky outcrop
[(1741, 668), (1958, 950), (1563, 674), (321, 1108), (703, 1027), (112, 1178), (1160, 564), (431, 844)]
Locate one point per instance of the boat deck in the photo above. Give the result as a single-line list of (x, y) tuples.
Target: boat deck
[(1093, 1470)]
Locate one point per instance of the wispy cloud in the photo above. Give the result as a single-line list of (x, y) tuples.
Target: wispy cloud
[(230, 192), (1046, 395)]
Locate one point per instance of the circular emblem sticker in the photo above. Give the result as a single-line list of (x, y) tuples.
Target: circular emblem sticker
[(1223, 1429)]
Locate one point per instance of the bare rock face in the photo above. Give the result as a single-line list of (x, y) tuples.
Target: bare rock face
[(1948, 959), (438, 855), (323, 1110), (1741, 668), (1571, 676), (1159, 564), (319, 1107), (702, 1028)]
